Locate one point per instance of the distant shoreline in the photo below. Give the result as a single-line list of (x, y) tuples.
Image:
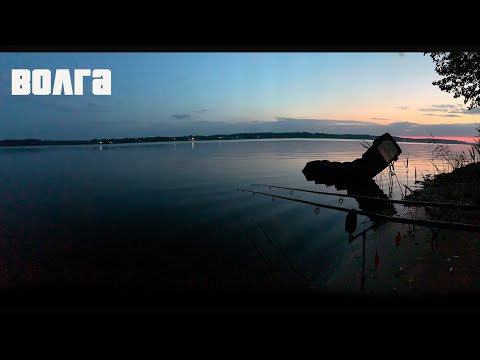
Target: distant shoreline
[(236, 136)]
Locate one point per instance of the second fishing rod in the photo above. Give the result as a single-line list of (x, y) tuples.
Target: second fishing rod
[(391, 201)]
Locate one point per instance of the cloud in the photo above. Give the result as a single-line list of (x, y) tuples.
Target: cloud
[(402, 107), (473, 111), (448, 115), (401, 54), (189, 114), (430, 109), (181, 116), (323, 121), (445, 106), (403, 128), (449, 109), (91, 127), (378, 118), (202, 111)]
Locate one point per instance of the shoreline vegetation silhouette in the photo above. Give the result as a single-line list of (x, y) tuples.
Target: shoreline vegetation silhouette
[(236, 136), (454, 266)]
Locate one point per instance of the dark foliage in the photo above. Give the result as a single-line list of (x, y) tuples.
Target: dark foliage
[(461, 75)]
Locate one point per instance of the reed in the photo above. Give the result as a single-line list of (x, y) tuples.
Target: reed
[(451, 160)]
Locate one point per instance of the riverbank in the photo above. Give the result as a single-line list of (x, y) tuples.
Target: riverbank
[(415, 267), (455, 264), (459, 186)]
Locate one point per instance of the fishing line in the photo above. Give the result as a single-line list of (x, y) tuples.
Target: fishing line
[(392, 172), (270, 271), (264, 258), (359, 196), (287, 259), (397, 219)]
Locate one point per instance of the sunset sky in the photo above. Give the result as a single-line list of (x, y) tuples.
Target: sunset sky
[(155, 94)]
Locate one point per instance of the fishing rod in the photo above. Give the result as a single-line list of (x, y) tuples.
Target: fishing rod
[(404, 202), (394, 219)]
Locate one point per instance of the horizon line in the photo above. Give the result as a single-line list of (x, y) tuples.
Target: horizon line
[(191, 137)]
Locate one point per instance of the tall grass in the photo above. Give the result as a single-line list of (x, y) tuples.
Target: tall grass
[(451, 160), (443, 160)]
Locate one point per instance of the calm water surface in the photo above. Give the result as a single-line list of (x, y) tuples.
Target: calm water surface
[(167, 215)]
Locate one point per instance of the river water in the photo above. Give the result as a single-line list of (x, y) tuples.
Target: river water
[(169, 216)]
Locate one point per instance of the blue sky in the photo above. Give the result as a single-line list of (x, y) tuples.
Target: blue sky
[(155, 94)]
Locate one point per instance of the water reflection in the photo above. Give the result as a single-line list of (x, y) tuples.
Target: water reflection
[(365, 191), (171, 210)]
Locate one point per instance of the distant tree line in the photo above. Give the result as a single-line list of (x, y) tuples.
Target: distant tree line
[(238, 136)]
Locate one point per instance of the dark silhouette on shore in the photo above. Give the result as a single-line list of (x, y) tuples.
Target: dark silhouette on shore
[(357, 176), (383, 151), (365, 187)]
